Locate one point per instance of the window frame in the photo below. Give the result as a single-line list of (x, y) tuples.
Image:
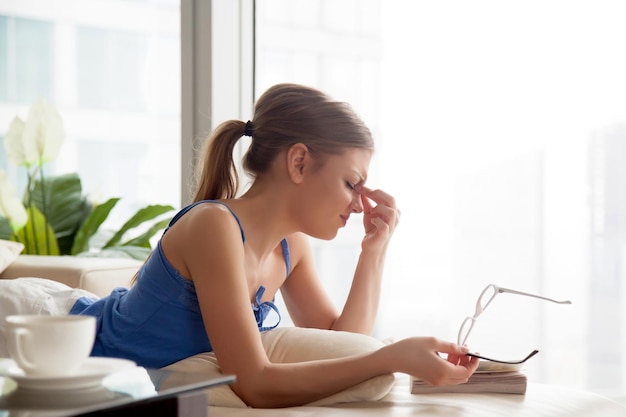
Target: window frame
[(217, 77)]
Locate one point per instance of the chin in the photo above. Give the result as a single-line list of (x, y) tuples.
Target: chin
[(327, 235), (333, 234)]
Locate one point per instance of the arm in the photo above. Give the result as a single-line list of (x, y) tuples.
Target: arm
[(216, 267), (306, 300), (380, 221), (304, 296)]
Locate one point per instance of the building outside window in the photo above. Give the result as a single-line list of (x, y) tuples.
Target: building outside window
[(114, 79)]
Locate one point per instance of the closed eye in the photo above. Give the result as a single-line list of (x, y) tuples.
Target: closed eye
[(349, 185)]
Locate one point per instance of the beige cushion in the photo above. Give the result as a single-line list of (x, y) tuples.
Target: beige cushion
[(96, 275), (293, 344), (9, 251)]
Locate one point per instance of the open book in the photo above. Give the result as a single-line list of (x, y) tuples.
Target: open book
[(489, 378)]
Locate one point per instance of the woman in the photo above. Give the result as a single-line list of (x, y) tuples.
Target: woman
[(309, 159)]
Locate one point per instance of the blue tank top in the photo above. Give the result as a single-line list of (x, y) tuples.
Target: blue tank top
[(158, 321)]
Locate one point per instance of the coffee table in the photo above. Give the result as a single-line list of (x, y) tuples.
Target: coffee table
[(134, 391)]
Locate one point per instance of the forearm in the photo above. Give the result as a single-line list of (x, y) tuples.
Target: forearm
[(361, 307), (291, 384)]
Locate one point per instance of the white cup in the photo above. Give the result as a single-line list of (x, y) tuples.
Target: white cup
[(50, 345)]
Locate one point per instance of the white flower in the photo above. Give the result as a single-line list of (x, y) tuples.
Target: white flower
[(10, 205), (13, 143), (37, 140)]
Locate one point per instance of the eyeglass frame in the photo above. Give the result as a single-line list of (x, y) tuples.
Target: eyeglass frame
[(480, 309)]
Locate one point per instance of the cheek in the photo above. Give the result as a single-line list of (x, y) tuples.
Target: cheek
[(338, 196), (349, 196), (327, 195), (328, 204)]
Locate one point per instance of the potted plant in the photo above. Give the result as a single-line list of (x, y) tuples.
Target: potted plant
[(54, 217)]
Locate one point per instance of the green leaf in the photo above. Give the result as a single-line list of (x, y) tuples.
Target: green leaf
[(34, 237), (143, 240), (67, 241), (143, 215), (61, 201), (5, 229), (91, 225)]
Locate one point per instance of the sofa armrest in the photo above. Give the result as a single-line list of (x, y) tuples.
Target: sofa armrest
[(96, 275)]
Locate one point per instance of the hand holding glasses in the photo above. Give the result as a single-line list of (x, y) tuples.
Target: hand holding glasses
[(485, 298)]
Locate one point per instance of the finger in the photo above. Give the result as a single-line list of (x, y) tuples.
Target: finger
[(386, 213), (379, 196), (462, 360), (367, 204), (451, 348), (455, 359), (379, 223), (388, 202), (460, 373), (469, 362)]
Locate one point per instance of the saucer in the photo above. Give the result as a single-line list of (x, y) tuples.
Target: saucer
[(90, 374)]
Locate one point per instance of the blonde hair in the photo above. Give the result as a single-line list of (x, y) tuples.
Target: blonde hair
[(284, 115)]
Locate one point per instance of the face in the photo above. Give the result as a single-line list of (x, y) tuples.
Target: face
[(326, 195)]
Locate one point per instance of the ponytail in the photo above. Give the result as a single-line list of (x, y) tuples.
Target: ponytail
[(217, 174)]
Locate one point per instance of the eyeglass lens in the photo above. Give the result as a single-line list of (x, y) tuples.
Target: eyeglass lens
[(485, 298), (483, 301)]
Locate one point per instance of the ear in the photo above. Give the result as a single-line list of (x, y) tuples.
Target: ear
[(298, 158)]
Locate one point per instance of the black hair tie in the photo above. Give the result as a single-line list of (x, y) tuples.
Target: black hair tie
[(248, 130)]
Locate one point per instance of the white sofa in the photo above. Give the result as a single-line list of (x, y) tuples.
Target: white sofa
[(101, 275), (96, 275)]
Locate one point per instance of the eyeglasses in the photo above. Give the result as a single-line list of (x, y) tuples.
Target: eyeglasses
[(485, 298)]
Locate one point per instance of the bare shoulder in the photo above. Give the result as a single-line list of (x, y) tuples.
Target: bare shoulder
[(299, 248), (204, 234), (207, 217)]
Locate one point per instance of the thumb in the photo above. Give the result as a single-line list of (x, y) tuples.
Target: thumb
[(453, 348)]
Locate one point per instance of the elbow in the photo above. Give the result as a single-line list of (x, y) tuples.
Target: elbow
[(255, 397), (263, 396), (248, 395), (339, 326)]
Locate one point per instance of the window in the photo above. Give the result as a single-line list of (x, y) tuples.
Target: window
[(112, 69), (500, 130), (26, 47)]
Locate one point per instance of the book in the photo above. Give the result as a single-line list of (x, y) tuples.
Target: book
[(511, 382)]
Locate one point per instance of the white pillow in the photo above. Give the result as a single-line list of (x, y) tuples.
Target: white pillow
[(295, 344), (9, 250)]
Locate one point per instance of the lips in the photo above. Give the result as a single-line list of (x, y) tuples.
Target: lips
[(345, 219)]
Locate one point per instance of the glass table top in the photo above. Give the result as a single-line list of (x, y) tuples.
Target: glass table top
[(21, 396)]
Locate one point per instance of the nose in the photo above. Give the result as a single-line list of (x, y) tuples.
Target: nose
[(357, 204)]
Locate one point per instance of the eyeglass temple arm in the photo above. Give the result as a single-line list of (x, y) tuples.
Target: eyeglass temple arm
[(502, 290), (514, 362)]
